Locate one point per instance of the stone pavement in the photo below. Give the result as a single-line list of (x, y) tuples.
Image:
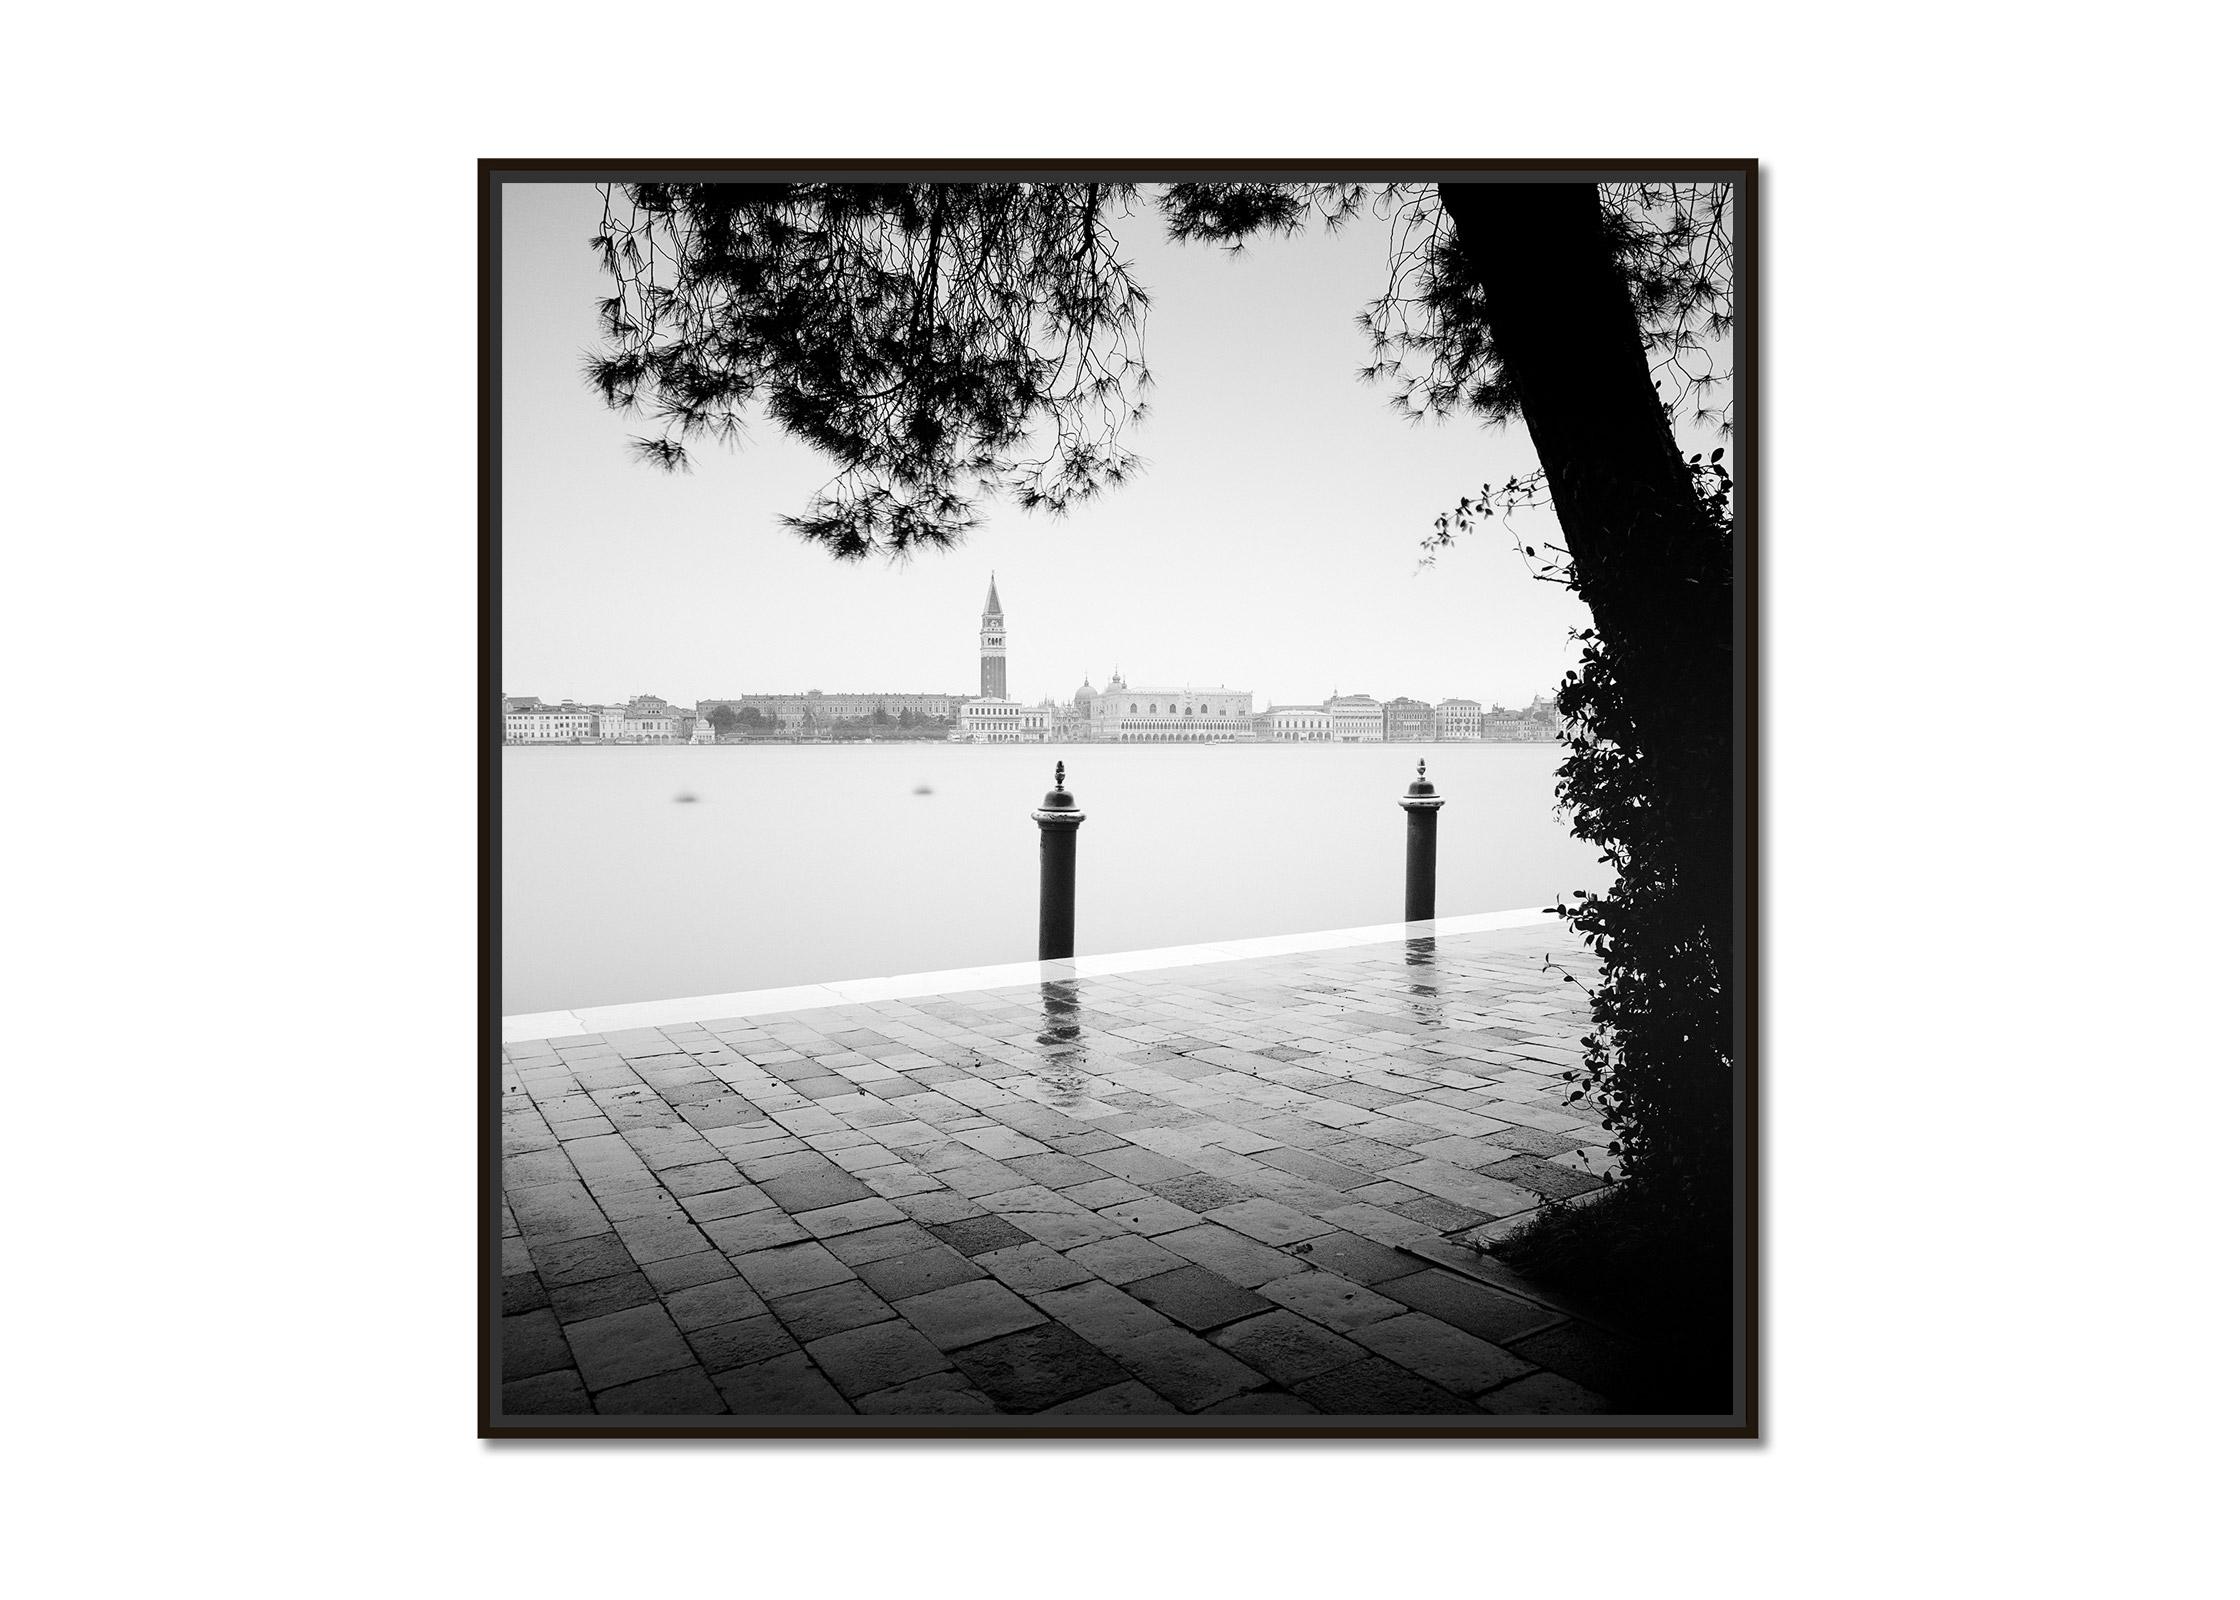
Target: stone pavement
[(1220, 1190)]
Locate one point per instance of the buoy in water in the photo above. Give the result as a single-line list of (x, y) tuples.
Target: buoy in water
[(923, 788), (686, 797)]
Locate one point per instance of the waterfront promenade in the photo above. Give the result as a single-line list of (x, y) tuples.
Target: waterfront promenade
[(1231, 1188)]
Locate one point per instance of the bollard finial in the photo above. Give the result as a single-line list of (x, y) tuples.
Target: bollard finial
[(1419, 768), (1061, 774)]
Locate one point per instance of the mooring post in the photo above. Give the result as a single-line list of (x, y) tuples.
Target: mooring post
[(1059, 819), (1422, 804)]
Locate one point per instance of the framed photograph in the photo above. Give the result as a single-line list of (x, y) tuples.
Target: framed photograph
[(1119, 800)]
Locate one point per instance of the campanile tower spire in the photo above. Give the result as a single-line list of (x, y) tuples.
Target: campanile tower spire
[(991, 646)]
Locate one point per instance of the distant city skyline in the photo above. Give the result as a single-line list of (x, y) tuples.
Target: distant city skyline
[(1271, 541)]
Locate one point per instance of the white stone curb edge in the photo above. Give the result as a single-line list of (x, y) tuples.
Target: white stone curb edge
[(853, 991)]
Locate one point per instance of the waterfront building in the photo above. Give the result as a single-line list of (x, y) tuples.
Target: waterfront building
[(560, 724), (703, 731), (990, 722), (1299, 724), (610, 722), (1460, 719), (1169, 714), (1355, 719), (815, 710), (992, 685), (1499, 722), (1075, 714), (1409, 720)]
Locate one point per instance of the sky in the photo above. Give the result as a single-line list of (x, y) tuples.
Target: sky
[(1270, 542)]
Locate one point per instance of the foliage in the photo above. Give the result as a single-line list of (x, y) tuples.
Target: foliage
[(1428, 332), (946, 344), (1659, 1058), (941, 342)]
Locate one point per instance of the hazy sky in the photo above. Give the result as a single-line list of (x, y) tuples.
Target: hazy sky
[(1270, 541)]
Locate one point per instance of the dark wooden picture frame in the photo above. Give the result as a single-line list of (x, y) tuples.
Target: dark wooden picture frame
[(1740, 1421)]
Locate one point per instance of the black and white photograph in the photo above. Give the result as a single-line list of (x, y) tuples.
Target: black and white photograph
[(1119, 801), (1180, 800)]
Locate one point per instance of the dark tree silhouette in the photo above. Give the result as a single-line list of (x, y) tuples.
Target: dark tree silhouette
[(944, 344)]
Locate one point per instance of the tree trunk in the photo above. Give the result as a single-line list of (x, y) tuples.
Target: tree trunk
[(1651, 564)]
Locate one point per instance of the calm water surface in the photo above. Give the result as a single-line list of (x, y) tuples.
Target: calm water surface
[(809, 863)]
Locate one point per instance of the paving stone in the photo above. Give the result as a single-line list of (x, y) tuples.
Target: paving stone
[(1543, 1177), (832, 1309), (1262, 1403), (853, 1217), (1196, 1298), (968, 1313), (1352, 1256), (702, 1177), (877, 1356), (900, 1277), (1086, 1144), (939, 1206), (1543, 1394), (1001, 1143), (1102, 1192), (1316, 1168), (580, 1260), (574, 1302), (1446, 1355), (1125, 1259), (546, 1395), (686, 1392), (976, 1235), (1038, 1368), (740, 1344), (791, 1269), (789, 1386), (743, 1200), (522, 1291), (1269, 1222), (797, 1192), (763, 1230), (703, 1305), (878, 1244), (1057, 1171), (1033, 1268), (897, 1182), (1185, 1368), (1286, 1346), (1331, 1300), (1446, 1217), (1488, 1313), (530, 1344), (684, 1271), (1245, 1262), (1150, 1216), (1130, 1399), (1533, 1142), (1103, 1315), (1138, 1166), (659, 1239), (1065, 1230), (624, 1345), (1376, 1388), (942, 1394)]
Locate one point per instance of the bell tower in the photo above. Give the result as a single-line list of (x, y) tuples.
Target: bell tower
[(991, 646)]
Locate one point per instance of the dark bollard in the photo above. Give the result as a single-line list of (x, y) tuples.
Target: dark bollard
[(1422, 804), (1059, 819)]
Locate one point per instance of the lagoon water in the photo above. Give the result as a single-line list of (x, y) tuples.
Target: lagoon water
[(811, 863)]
